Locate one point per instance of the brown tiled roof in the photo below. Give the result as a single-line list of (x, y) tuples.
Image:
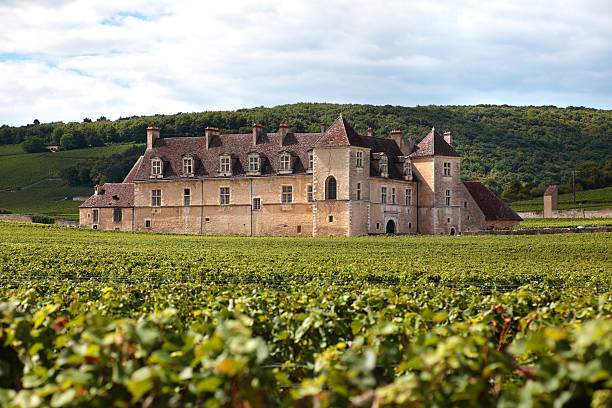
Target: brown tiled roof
[(130, 176), (434, 145), (340, 133), (206, 161), (493, 208), (551, 190), (112, 195)]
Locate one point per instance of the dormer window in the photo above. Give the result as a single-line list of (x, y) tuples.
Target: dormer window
[(225, 166), (407, 170), (254, 163), (310, 161), (383, 166), (188, 166), (284, 165), (156, 167)]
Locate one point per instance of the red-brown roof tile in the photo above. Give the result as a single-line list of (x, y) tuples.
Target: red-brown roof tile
[(434, 145), (492, 207), (112, 195)]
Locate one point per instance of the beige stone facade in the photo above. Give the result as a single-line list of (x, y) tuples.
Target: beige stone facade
[(333, 183)]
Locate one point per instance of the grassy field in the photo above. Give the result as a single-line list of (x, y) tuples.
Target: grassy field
[(589, 200), (105, 318), (29, 184)]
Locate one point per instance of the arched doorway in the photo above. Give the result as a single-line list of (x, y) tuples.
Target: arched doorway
[(330, 188), (390, 227), (452, 231)]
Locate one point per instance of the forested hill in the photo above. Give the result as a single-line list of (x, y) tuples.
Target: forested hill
[(498, 143)]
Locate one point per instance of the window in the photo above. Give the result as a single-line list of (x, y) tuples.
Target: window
[(285, 162), (224, 195), (299, 229), (393, 195), (330, 188), (156, 167), (408, 196), (384, 166), (409, 225), (359, 159), (147, 223), (383, 195), (155, 198), (254, 164), (378, 225), (447, 197), (310, 160), (287, 194), (187, 166), (359, 191), (447, 168), (95, 215), (465, 204), (225, 164), (407, 169), (309, 193), (117, 215), (256, 204), (331, 218), (187, 197)]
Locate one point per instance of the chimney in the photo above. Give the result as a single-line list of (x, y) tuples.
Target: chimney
[(96, 189), (283, 129), (404, 146), (448, 137), (257, 129), (210, 133), (370, 131), (323, 127), (152, 136)]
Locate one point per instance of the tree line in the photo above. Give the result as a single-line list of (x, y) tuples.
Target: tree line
[(499, 144)]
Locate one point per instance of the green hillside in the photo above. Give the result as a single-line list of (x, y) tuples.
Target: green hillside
[(498, 143), (589, 200), (29, 182)]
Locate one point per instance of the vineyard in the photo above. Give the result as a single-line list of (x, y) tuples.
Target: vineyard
[(93, 318)]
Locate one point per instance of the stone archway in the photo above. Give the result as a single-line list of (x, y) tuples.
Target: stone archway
[(390, 228)]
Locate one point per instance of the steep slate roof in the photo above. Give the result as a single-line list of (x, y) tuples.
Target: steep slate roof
[(493, 208), (112, 195), (206, 161), (434, 144)]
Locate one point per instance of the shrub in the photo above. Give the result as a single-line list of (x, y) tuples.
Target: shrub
[(33, 144), (42, 219)]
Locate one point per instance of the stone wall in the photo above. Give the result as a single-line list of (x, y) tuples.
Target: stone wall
[(541, 231), (575, 213), (15, 217)]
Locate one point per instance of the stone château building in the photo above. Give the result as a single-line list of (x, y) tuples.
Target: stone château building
[(335, 182)]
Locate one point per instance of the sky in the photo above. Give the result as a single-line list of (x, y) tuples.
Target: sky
[(65, 60)]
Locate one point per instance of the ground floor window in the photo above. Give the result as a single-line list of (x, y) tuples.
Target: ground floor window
[(147, 223), (95, 215), (256, 203), (117, 215)]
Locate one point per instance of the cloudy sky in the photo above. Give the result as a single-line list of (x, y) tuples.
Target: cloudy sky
[(70, 59)]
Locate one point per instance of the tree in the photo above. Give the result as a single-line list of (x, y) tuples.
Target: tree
[(36, 122), (511, 190), (33, 144), (73, 140)]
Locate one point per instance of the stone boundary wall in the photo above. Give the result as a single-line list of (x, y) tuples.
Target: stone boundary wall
[(540, 231), (575, 213), (28, 218)]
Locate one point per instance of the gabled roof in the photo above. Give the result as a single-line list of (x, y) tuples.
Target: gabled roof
[(130, 176), (492, 207), (112, 195), (434, 145), (551, 190), (340, 133)]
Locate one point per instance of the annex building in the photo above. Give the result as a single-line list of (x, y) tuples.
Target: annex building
[(334, 182)]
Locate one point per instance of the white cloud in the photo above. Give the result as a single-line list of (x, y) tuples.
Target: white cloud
[(90, 58)]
